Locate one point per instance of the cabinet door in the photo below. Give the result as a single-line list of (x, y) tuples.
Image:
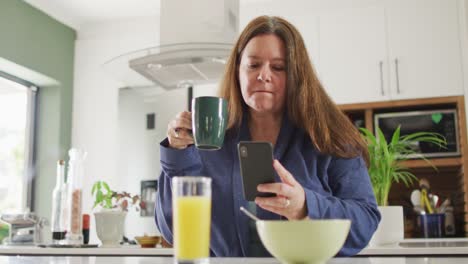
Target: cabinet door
[(424, 48), (353, 55)]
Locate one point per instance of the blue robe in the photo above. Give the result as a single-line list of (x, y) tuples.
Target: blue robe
[(334, 187)]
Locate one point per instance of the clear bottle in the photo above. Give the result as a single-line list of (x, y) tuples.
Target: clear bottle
[(74, 235), (58, 229), (64, 216)]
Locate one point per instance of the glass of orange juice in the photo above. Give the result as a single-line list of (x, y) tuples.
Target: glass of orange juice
[(191, 219)]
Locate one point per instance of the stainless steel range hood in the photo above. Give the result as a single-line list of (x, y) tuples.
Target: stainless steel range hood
[(183, 64), (196, 39)]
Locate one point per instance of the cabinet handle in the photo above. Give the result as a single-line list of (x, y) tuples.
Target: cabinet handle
[(381, 78), (397, 76)]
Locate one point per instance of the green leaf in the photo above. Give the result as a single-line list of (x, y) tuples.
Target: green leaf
[(99, 196), (385, 157), (106, 186), (94, 188), (108, 203), (395, 137), (107, 198)]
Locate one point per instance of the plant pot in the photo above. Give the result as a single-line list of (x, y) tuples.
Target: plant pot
[(391, 227), (110, 227)]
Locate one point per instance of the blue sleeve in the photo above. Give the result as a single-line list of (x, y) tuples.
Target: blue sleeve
[(352, 198), (174, 162)]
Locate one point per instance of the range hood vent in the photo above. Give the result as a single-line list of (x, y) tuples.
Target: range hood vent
[(180, 65), (196, 39)]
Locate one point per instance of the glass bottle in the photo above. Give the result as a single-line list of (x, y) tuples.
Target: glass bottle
[(58, 229), (74, 235), (64, 215)]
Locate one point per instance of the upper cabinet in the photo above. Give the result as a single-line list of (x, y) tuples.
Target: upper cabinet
[(393, 49), (424, 48), (352, 53)]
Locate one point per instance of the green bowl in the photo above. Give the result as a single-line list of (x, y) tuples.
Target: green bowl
[(305, 241)]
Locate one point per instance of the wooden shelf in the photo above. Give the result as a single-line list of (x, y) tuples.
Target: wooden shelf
[(437, 162), (399, 103), (450, 178)]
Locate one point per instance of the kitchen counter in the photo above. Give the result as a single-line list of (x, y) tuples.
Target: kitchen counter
[(100, 251), (418, 246), (168, 260), (409, 247)]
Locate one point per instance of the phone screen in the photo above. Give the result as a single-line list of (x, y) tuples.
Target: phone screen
[(256, 167)]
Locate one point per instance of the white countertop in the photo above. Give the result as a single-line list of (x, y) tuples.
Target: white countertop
[(419, 246), (98, 251), (408, 247), (169, 260)]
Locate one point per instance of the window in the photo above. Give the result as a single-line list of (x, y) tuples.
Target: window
[(17, 126)]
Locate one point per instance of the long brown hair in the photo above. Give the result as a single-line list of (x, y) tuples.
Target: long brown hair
[(308, 105)]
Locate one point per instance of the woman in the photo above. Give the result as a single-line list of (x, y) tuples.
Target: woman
[(275, 96)]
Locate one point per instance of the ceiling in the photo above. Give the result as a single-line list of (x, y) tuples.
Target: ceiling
[(75, 13)]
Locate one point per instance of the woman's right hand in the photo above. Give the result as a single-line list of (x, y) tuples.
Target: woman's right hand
[(179, 131)]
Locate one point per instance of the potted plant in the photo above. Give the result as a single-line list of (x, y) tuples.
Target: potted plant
[(386, 168), (111, 212), (4, 231)]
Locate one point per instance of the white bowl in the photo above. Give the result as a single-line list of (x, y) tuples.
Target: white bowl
[(305, 241)]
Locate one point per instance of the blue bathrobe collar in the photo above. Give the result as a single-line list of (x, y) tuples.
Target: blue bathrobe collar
[(283, 140)]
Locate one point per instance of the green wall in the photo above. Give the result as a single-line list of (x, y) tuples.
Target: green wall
[(34, 40)]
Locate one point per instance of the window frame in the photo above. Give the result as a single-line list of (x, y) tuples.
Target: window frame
[(29, 176)]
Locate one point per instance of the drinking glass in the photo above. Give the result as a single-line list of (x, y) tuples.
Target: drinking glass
[(191, 219)]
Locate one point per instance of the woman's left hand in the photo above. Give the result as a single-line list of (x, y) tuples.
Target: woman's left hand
[(290, 196)]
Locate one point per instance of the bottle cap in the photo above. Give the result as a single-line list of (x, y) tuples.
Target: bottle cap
[(85, 221)]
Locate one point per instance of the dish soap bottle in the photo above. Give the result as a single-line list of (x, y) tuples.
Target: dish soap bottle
[(58, 229), (74, 234)]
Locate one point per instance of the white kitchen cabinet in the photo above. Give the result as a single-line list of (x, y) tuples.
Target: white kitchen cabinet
[(425, 56), (393, 49), (352, 52)]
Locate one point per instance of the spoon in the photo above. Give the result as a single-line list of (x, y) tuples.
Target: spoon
[(249, 214)]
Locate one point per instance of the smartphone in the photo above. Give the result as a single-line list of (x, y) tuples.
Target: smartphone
[(256, 167)]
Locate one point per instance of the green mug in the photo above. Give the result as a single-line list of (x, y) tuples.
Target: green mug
[(209, 121)]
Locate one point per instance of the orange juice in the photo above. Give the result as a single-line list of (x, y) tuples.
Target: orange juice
[(192, 218)]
